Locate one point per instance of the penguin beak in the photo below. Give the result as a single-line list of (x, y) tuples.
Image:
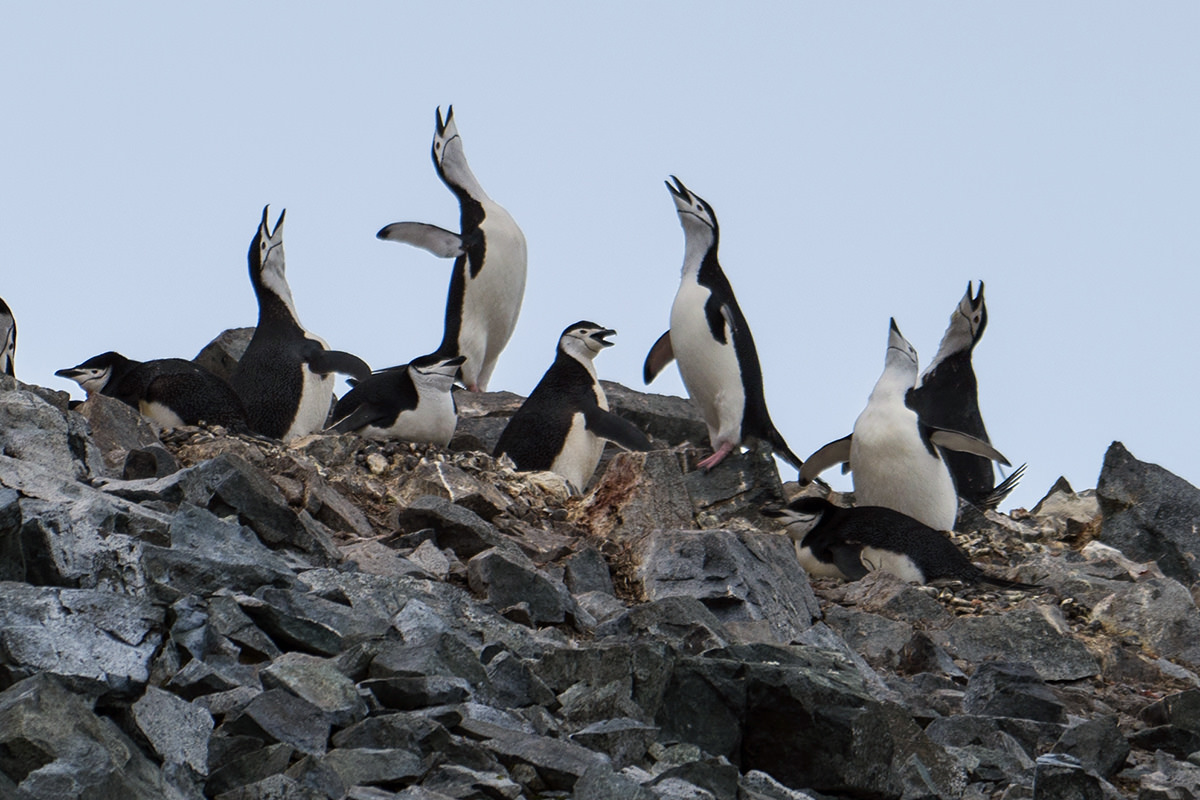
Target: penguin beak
[(600, 336), (70, 374), (679, 190)]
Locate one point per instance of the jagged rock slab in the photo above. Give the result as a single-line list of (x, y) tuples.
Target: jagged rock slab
[(752, 582), (177, 730), (99, 641), (558, 763), (457, 528), (37, 432), (222, 354), (1020, 635), (1160, 612), (1005, 689), (443, 479), (1149, 514), (117, 429), (507, 579), (638, 492), (671, 419), (318, 681), (737, 488), (306, 622)]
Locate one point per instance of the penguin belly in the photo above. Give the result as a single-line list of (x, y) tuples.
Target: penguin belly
[(433, 421), (898, 564), (160, 414), (492, 299), (814, 566), (579, 454), (709, 369), (893, 468)]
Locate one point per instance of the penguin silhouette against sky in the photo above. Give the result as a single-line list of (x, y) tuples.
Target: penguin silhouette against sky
[(488, 281), (710, 340)]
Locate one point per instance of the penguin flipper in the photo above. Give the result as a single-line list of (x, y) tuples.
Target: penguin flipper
[(659, 356), (327, 361), (963, 442), (847, 557), (619, 430), (439, 241), (836, 452), (359, 418)]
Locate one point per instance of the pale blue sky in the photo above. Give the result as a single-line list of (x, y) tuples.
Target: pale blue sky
[(865, 160)]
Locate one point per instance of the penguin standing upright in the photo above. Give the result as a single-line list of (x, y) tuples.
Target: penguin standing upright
[(412, 402), (710, 339), (285, 378), (563, 424), (835, 542), (168, 391), (488, 281), (8, 339), (947, 396), (895, 456)]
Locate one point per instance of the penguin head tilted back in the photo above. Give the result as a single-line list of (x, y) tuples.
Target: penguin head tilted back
[(583, 340), (967, 322), (700, 229), (900, 363), (98, 372), (267, 270), (8, 338), (450, 160)]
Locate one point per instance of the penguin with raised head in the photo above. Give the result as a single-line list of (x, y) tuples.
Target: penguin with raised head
[(896, 458), (488, 281), (168, 391), (947, 396), (847, 543), (286, 376), (412, 402), (8, 339), (710, 340), (563, 424)]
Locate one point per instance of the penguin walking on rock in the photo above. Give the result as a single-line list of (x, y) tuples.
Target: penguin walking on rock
[(412, 402), (488, 281), (563, 424), (847, 543), (170, 392), (286, 376), (947, 396), (8, 339), (896, 457), (710, 340)]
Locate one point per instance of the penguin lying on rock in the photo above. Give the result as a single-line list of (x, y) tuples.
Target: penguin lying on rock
[(563, 424), (412, 402), (710, 340), (895, 456), (847, 543), (488, 281), (168, 391)]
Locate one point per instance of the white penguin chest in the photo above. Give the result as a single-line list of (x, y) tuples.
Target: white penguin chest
[(492, 298), (709, 368), (581, 449), (316, 396), (433, 421)]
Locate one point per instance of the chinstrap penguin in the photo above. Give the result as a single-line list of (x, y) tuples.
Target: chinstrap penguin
[(896, 458), (847, 543), (488, 281), (168, 391), (710, 340), (412, 402), (947, 396), (8, 339), (286, 376), (563, 424)]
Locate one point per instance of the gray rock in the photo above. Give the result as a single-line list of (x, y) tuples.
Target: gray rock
[(152, 461), (990, 753), (757, 785), (736, 488), (279, 716), (1160, 612), (1060, 777), (883, 593), (276, 787), (300, 621), (507, 578), (1098, 745), (248, 769), (752, 582), (558, 764), (222, 354), (370, 766), (1006, 689), (117, 429), (36, 432), (54, 746), (1149, 514), (638, 492), (411, 693), (624, 740), (177, 730), (12, 566), (443, 479), (514, 684), (587, 571), (96, 641), (600, 782), (457, 528), (682, 620), (1020, 635), (880, 641), (671, 419), (318, 681)]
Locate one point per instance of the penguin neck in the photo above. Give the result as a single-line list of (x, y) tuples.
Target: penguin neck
[(276, 308), (893, 384), (956, 340), (579, 354), (699, 256), (464, 184)]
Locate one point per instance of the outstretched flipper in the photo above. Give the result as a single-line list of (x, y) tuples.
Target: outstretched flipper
[(659, 356), (439, 241), (965, 443), (836, 452), (616, 429), (324, 361)]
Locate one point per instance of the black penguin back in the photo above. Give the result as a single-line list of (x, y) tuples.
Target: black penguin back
[(535, 435)]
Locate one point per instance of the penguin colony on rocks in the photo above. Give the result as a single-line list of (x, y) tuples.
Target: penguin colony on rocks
[(917, 447)]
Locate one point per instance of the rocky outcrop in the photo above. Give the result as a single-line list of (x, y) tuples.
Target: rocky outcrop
[(211, 616)]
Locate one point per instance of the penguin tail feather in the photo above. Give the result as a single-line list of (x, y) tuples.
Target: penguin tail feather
[(1001, 491), (775, 439)]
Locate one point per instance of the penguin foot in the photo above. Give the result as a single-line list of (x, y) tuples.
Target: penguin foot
[(716, 458)]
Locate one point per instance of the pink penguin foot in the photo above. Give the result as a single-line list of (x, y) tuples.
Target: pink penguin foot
[(716, 458)]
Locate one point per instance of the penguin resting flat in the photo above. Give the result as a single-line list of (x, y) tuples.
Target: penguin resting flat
[(168, 391), (563, 424), (896, 458), (847, 543), (412, 402), (947, 396), (488, 281), (710, 340), (8, 339), (286, 376)]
